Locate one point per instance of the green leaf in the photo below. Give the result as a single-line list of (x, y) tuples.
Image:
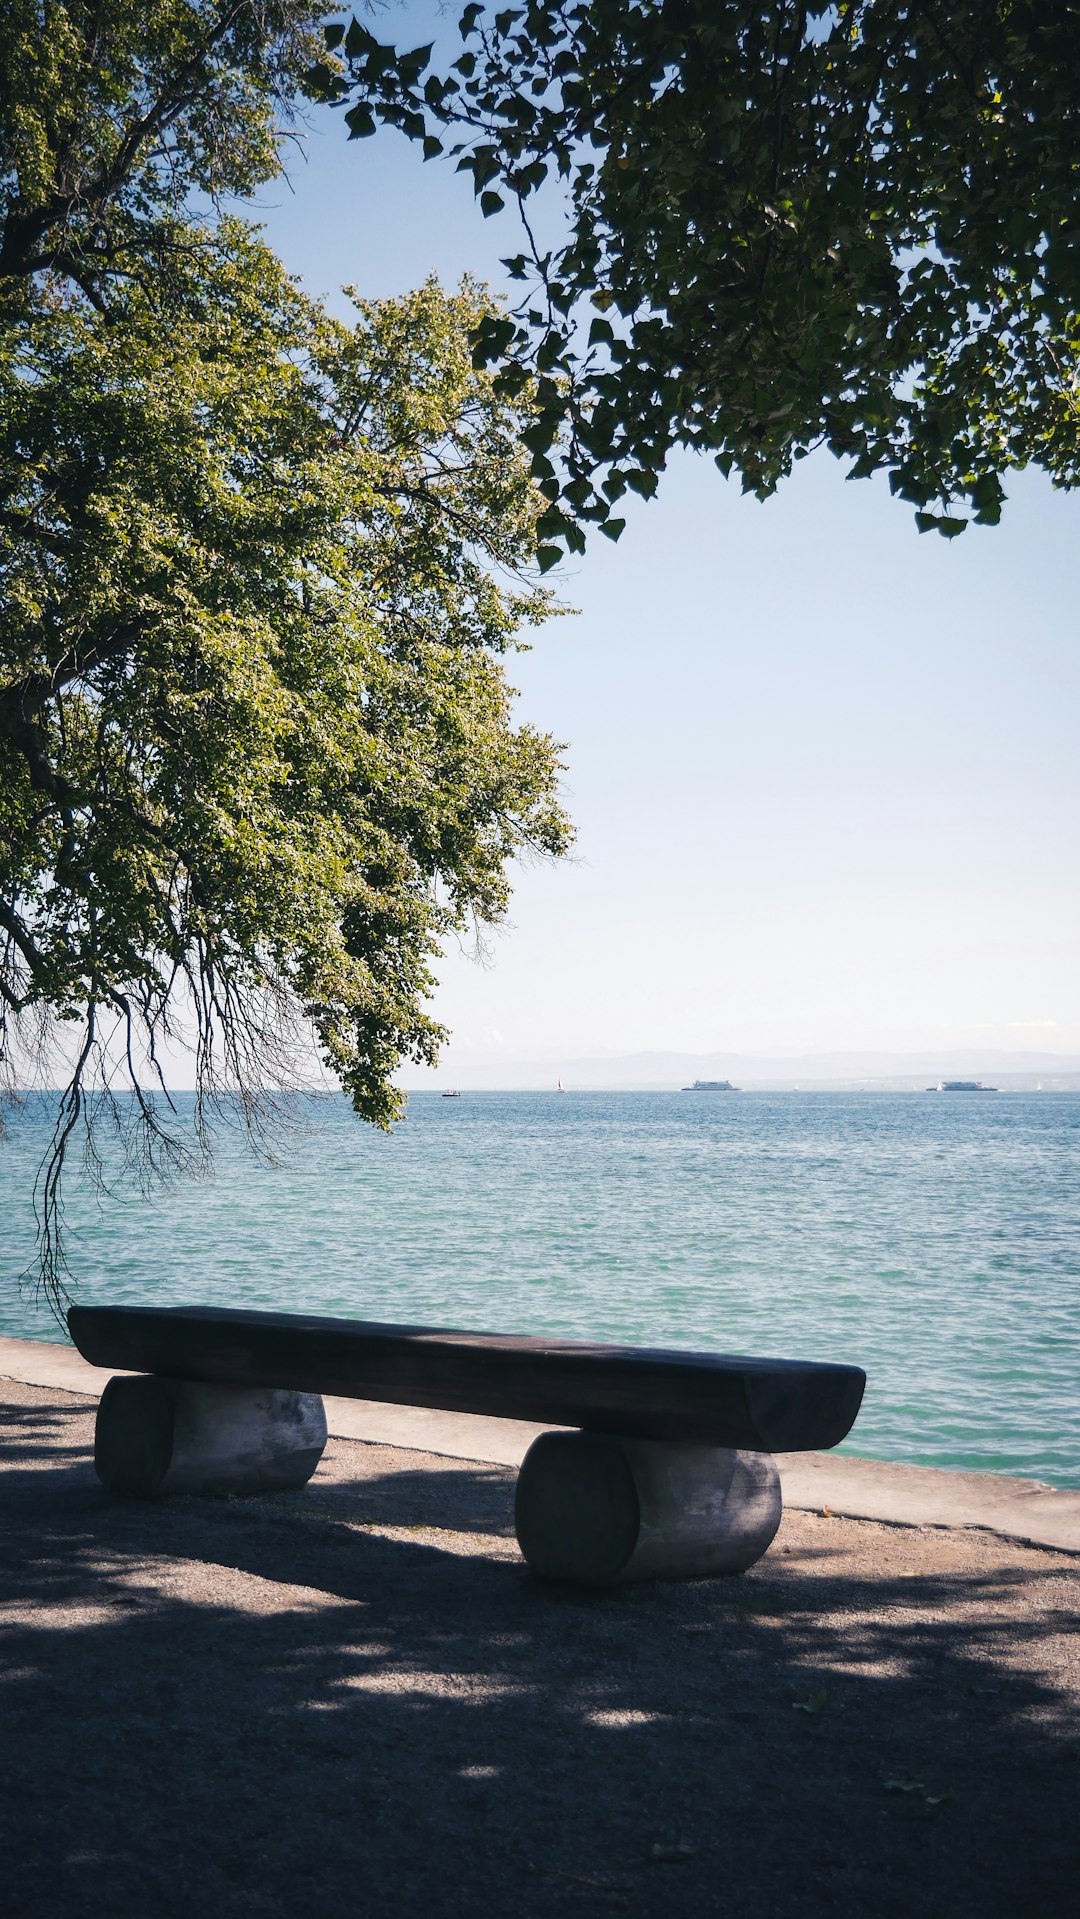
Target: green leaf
[(358, 40), (324, 81), (864, 466), (939, 523), (548, 556), (491, 339), (510, 380), (642, 481), (411, 65), (816, 1702), (490, 203), (551, 525)]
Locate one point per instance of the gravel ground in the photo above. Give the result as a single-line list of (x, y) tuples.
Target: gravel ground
[(355, 1700)]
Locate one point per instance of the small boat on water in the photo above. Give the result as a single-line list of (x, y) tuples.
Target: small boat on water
[(452, 1093), (559, 1087), (961, 1086), (711, 1086)]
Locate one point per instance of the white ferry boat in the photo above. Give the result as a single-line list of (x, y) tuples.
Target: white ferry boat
[(961, 1086)]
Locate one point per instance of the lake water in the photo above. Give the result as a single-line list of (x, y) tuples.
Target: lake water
[(932, 1239)]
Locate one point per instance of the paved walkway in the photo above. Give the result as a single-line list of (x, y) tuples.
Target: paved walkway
[(1020, 1509), (354, 1699)]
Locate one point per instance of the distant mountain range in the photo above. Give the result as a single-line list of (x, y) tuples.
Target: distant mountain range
[(889, 1072)]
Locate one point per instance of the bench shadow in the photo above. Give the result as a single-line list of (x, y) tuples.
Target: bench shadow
[(293, 1704), (474, 1497)]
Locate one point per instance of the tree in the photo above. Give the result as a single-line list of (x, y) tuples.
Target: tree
[(789, 226), (260, 569), (114, 114)]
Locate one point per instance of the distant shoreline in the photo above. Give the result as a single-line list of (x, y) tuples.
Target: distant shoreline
[(1066, 1084), (851, 1071)]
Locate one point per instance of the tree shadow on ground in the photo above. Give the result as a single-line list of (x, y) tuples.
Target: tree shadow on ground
[(357, 1701)]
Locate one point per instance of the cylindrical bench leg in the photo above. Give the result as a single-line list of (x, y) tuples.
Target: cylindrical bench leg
[(599, 1510), (157, 1436)]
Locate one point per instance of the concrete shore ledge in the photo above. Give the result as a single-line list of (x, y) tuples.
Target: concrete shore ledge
[(1025, 1510)]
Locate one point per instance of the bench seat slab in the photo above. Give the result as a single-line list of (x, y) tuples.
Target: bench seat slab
[(705, 1399)]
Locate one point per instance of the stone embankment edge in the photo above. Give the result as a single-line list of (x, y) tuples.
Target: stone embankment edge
[(1024, 1510)]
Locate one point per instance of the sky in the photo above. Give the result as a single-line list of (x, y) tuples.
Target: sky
[(823, 769)]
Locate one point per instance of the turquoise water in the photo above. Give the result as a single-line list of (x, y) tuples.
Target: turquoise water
[(932, 1239)]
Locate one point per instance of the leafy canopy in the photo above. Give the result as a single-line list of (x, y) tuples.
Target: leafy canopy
[(789, 226), (114, 113), (260, 570)]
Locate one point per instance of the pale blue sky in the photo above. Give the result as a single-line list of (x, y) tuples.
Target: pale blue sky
[(823, 769)]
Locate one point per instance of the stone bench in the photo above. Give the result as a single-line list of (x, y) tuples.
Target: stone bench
[(669, 1473)]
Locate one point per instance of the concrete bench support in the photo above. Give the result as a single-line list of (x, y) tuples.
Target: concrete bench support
[(158, 1436), (601, 1511)]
